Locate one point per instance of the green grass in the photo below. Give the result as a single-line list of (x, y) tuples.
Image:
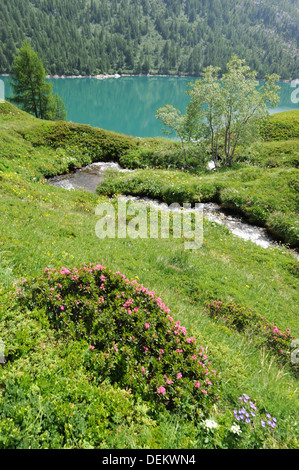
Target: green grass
[(36, 149), (49, 399), (272, 154)]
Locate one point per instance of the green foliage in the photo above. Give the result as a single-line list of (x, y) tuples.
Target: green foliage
[(168, 157), (100, 144), (30, 90), (133, 341), (282, 126), (248, 321), (152, 37), (48, 398), (272, 154), (177, 123), (136, 159), (57, 109), (226, 111), (63, 414)]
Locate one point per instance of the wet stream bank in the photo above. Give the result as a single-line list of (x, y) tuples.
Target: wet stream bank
[(91, 176)]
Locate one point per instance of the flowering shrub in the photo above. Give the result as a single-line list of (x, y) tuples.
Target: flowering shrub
[(133, 339), (246, 319)]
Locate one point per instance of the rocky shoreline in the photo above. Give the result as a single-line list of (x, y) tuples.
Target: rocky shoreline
[(98, 77), (116, 75)]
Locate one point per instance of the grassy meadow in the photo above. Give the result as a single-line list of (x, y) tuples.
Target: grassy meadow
[(52, 394)]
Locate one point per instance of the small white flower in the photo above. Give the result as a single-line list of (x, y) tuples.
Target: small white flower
[(236, 429), (209, 423)]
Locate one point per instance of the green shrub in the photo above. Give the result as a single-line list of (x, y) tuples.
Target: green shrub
[(171, 157), (133, 339), (282, 126), (247, 320), (131, 160), (64, 412), (101, 144)]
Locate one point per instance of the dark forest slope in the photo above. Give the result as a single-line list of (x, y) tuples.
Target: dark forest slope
[(157, 36)]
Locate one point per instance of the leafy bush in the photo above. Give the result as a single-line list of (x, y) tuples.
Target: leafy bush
[(247, 320), (54, 412), (167, 156), (282, 126), (131, 160), (101, 144), (133, 339)]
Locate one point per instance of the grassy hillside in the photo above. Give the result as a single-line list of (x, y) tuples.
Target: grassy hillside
[(54, 388)]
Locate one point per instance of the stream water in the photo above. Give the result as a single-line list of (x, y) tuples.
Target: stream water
[(91, 176)]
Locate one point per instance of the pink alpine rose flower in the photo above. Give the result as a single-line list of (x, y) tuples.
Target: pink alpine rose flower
[(65, 271)]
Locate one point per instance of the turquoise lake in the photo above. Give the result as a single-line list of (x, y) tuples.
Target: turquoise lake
[(128, 104)]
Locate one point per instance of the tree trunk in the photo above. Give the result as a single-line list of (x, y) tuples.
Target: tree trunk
[(216, 153), (184, 152)]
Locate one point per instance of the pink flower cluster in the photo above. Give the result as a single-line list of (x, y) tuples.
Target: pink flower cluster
[(127, 305), (177, 332)]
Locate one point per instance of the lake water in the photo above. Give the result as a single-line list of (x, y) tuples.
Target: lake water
[(128, 104)]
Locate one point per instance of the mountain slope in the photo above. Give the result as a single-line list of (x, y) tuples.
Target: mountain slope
[(157, 36)]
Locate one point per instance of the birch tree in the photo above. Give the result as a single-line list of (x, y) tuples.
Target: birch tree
[(229, 110)]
